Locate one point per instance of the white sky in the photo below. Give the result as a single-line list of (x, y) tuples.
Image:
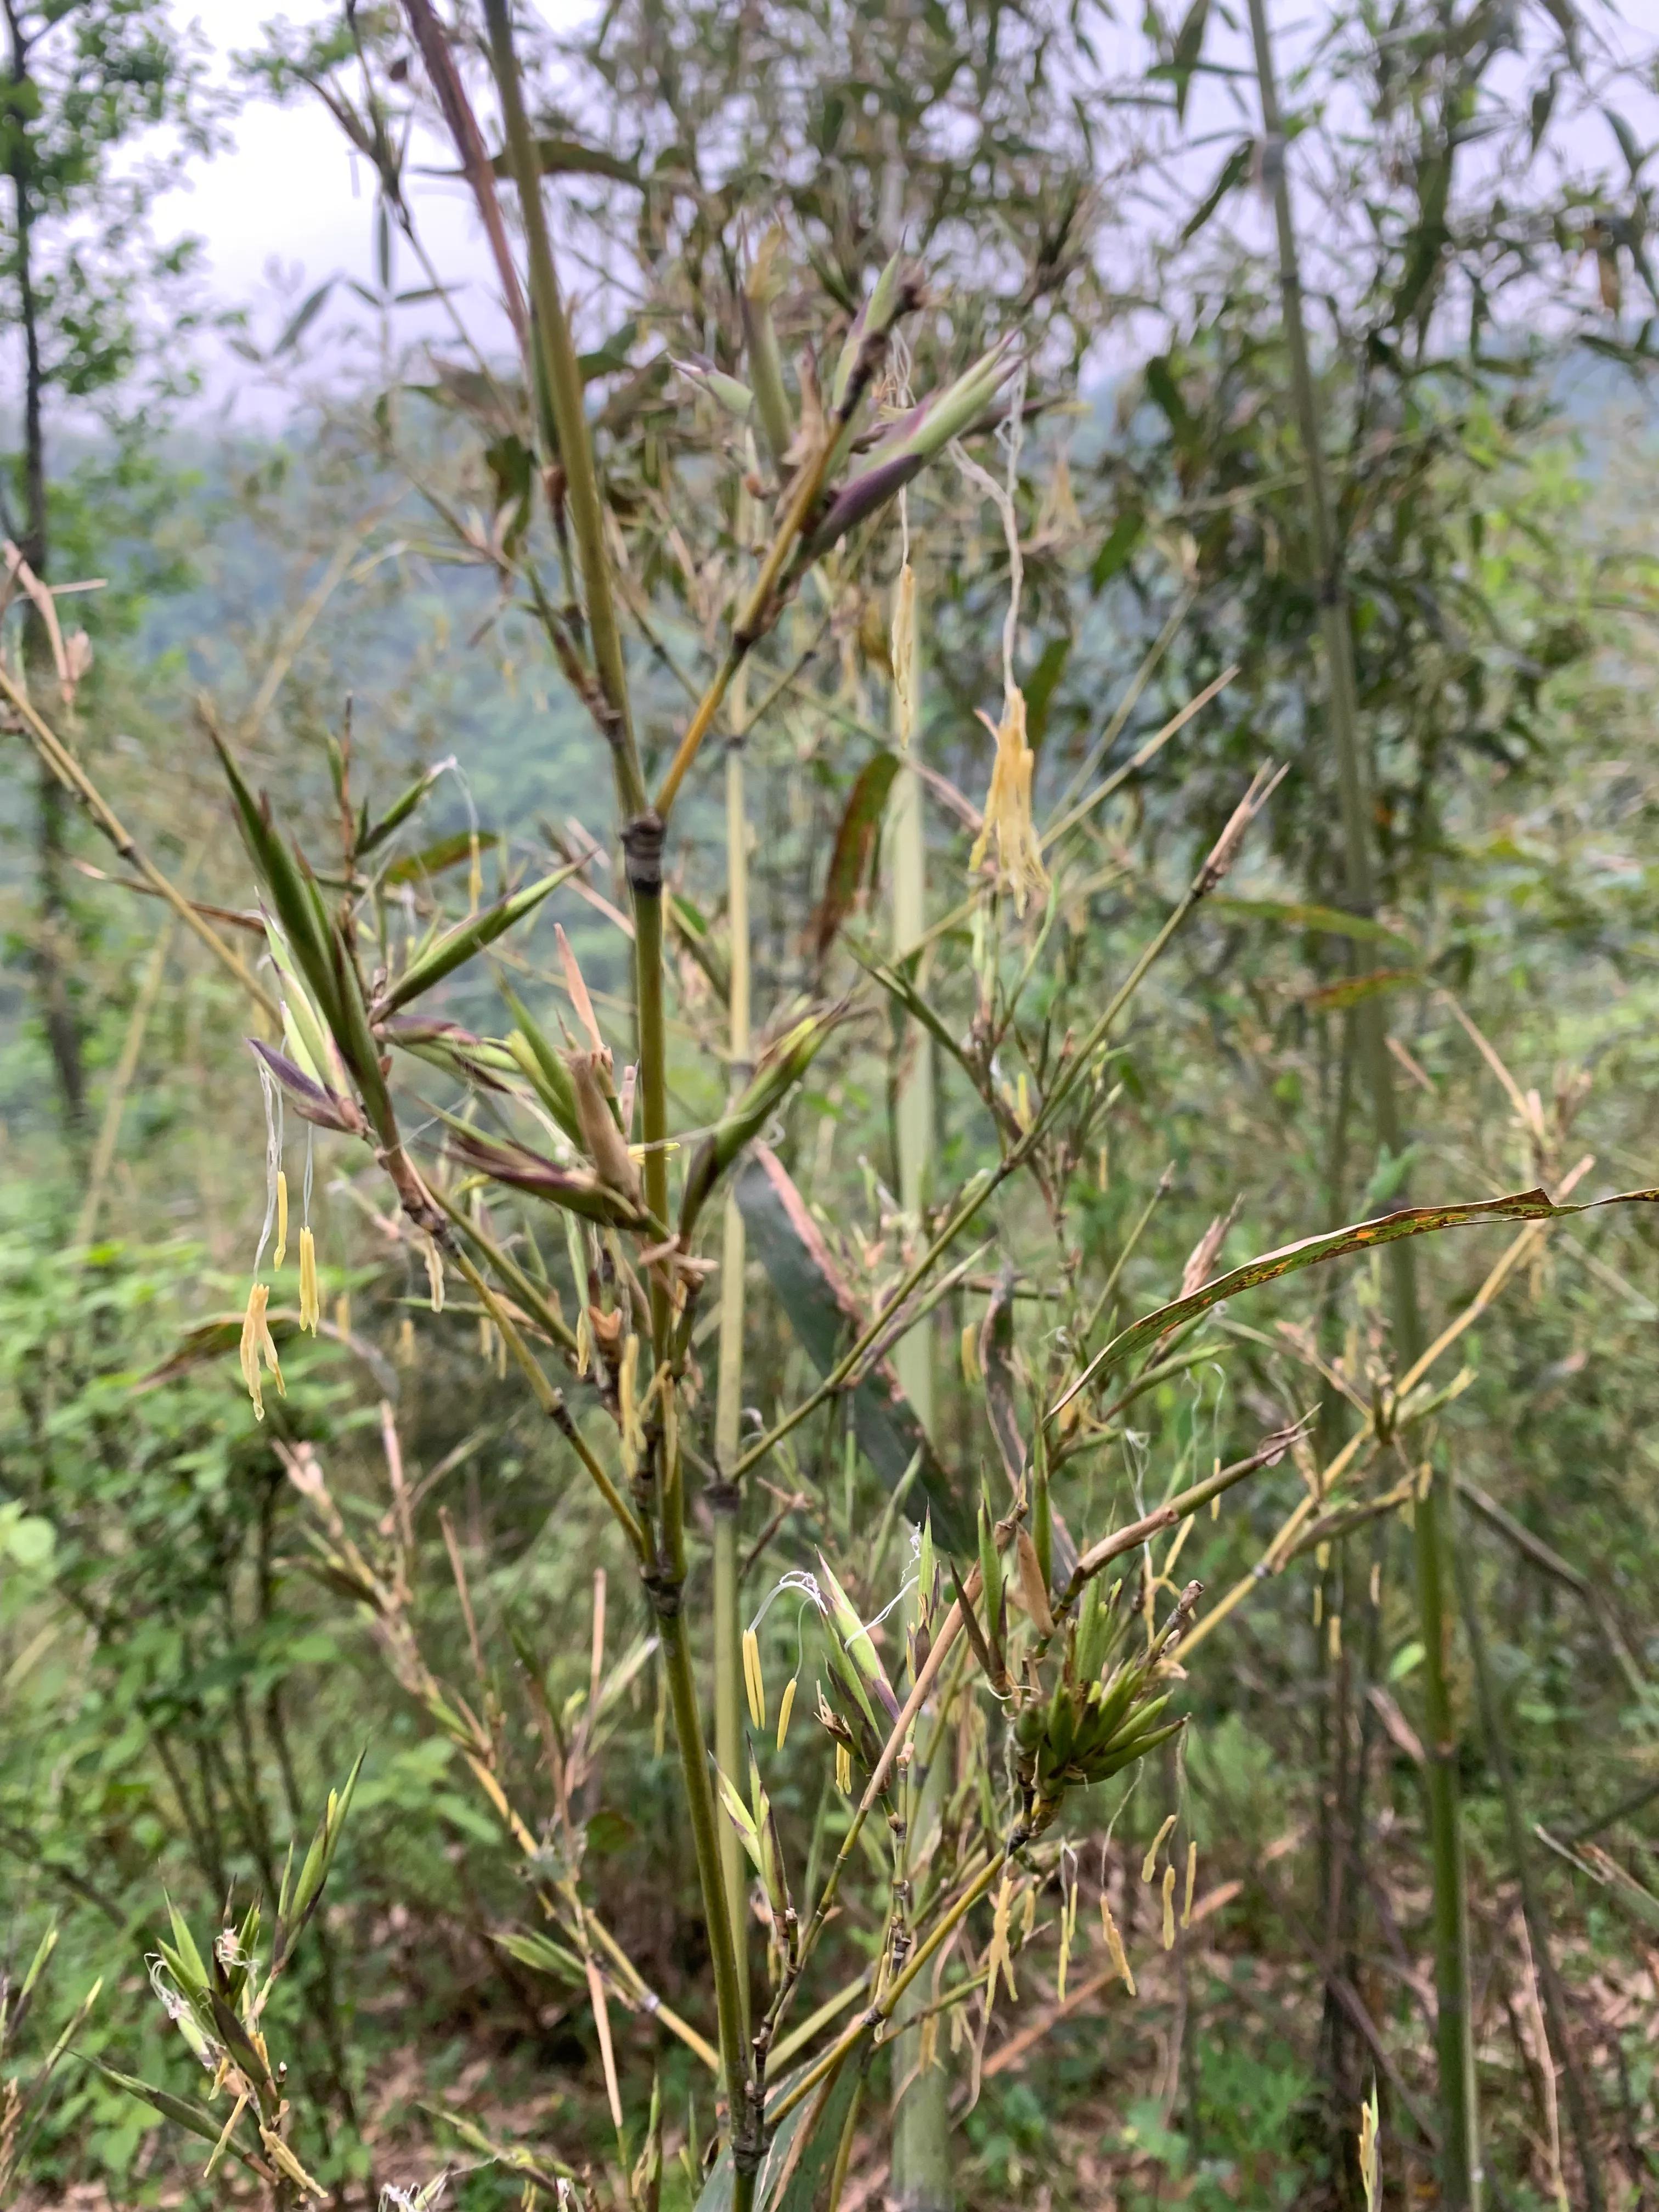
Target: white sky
[(285, 206)]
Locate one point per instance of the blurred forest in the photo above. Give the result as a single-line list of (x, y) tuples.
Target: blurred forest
[(1318, 438)]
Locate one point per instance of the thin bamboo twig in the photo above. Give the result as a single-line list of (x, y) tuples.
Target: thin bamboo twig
[(564, 388), (551, 1402), (983, 1186), (120, 1081), (75, 779)]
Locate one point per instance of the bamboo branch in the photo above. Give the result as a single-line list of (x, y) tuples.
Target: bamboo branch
[(75, 779)]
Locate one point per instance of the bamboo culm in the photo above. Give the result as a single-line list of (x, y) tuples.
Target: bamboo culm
[(1454, 2050)]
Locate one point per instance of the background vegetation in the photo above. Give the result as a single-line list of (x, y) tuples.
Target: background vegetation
[(185, 1674)]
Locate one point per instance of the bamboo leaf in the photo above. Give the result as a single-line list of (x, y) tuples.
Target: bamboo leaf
[(544, 1956), (571, 157), (432, 859), (184, 2110), (533, 1050), (302, 317), (780, 1067), (466, 938), (789, 2181), (1320, 920), (855, 838), (1331, 998), (1121, 541), (1040, 686), (826, 1318), (395, 815), (738, 1814), (1311, 1251), (284, 878), (1232, 174), (894, 979), (576, 1189)]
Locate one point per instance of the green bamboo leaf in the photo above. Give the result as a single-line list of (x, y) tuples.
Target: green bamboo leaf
[(544, 1956), (447, 1046), (869, 1676), (1188, 51), (290, 888), (740, 1815), (304, 1029), (578, 1190), (242, 2050), (191, 1973), (786, 2182), (1040, 686), (187, 2113), (1121, 541), (434, 859), (894, 979), (394, 818), (761, 287), (43, 1951), (1319, 920), (780, 1067), (557, 156), (315, 1870), (1331, 998), (826, 1318), (1232, 174), (533, 1051), (466, 938)]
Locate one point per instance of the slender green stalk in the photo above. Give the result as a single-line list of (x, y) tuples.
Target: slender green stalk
[(922, 2114), (700, 1803), (643, 842), (1532, 1904), (725, 1500), (1460, 2115), (939, 1934), (913, 1117), (564, 385), (920, 2159)]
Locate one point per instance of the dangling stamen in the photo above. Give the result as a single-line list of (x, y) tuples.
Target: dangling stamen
[(310, 1304), (257, 1342), (753, 1680), (901, 647), (281, 1253)]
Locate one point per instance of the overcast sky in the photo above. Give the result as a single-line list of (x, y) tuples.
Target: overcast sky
[(283, 207)]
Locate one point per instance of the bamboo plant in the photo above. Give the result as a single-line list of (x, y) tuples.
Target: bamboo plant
[(1055, 1658)]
